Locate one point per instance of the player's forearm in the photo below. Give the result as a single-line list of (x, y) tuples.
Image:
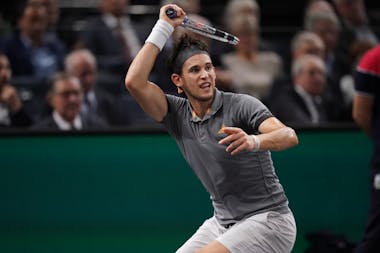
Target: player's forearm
[(364, 121), (362, 111), (279, 139)]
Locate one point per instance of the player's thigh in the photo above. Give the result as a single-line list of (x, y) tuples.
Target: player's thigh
[(269, 232), (205, 234)]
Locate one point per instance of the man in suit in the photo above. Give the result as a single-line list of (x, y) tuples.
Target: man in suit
[(35, 55), (96, 101), (65, 97), (32, 51), (303, 103), (111, 37)]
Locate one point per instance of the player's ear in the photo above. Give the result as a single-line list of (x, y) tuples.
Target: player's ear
[(176, 79)]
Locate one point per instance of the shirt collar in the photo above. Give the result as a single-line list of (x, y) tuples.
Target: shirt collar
[(215, 106), (64, 125)]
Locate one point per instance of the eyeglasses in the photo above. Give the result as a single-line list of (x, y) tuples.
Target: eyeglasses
[(66, 94)]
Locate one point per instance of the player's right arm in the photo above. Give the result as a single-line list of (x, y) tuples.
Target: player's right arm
[(147, 94)]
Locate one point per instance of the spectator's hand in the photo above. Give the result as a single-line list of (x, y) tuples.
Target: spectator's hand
[(237, 140), (10, 97), (175, 21)]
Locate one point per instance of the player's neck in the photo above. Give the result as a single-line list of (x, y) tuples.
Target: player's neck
[(200, 108)]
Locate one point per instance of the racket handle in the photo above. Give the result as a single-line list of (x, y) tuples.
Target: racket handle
[(171, 13)]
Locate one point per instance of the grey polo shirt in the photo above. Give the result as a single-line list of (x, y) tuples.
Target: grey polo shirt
[(239, 185)]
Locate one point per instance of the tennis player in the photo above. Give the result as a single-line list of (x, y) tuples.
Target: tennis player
[(226, 138)]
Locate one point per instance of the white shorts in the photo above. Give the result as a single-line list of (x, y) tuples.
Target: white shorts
[(269, 232)]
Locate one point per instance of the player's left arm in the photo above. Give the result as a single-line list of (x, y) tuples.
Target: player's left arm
[(273, 135)]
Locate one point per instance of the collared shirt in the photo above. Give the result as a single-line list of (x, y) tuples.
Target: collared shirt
[(127, 30), (43, 59), (311, 107), (64, 125), (240, 185), (4, 115)]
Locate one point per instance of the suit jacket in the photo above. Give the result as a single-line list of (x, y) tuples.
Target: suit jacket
[(109, 108), (20, 55), (88, 123), (19, 119), (104, 44), (289, 107)]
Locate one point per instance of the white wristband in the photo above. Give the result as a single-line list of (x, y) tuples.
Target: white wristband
[(160, 33), (257, 142)]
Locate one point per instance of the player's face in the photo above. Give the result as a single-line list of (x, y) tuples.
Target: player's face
[(198, 77)]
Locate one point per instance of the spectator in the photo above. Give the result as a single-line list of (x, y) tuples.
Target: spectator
[(31, 51), (111, 37), (306, 42), (82, 64), (326, 26), (12, 113), (303, 102), (366, 113), (355, 27), (35, 56), (303, 43), (236, 8), (314, 6), (52, 11), (65, 97), (253, 71)]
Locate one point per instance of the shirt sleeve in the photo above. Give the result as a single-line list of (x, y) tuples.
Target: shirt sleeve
[(367, 74), (251, 113), (171, 120)]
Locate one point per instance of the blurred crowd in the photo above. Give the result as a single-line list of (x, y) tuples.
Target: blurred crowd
[(74, 80)]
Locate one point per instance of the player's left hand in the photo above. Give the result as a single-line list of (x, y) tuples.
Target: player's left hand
[(237, 140)]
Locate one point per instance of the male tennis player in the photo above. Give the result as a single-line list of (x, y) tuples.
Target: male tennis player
[(226, 138)]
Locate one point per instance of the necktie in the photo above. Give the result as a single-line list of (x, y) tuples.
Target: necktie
[(123, 42), (72, 127)]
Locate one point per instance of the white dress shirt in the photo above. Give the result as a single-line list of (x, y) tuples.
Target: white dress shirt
[(65, 125)]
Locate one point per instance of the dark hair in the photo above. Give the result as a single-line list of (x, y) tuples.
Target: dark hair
[(184, 43), (59, 76)]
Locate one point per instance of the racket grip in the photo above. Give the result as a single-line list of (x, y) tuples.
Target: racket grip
[(171, 13)]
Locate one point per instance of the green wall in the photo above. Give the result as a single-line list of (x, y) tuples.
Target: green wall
[(135, 193)]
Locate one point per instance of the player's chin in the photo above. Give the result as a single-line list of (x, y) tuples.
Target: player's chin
[(207, 92), (205, 96)]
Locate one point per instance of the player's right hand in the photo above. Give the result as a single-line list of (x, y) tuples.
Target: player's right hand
[(173, 21)]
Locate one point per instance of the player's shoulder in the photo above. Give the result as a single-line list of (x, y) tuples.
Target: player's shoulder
[(239, 97), (176, 102)]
